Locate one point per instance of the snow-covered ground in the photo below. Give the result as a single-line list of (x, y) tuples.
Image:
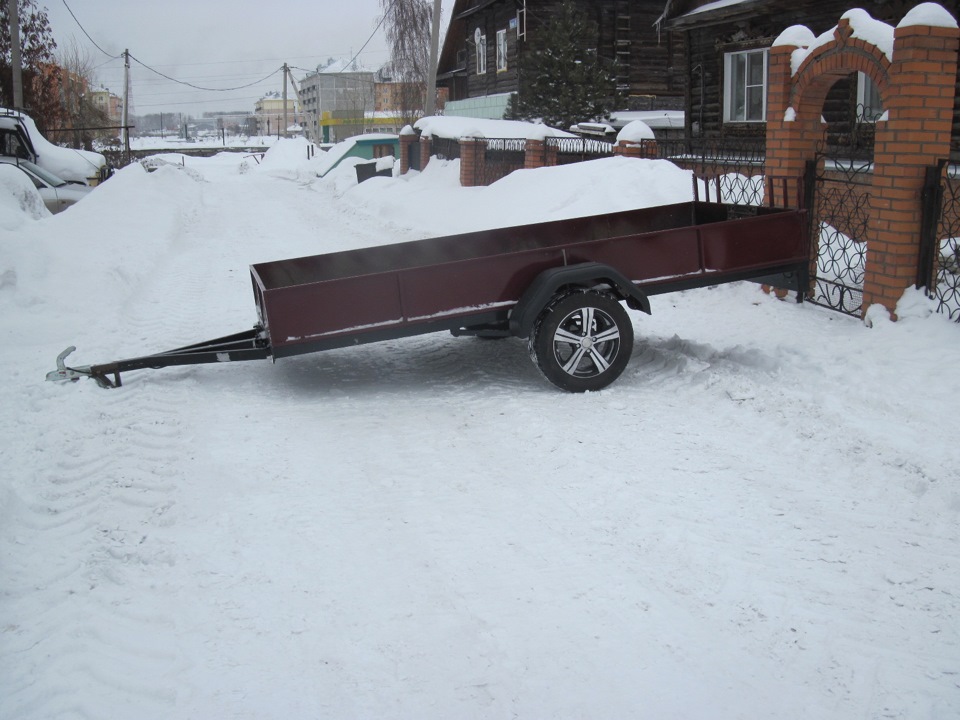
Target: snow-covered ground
[(758, 520), (171, 143)]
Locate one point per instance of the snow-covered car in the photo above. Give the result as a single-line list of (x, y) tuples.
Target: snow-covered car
[(20, 138), (57, 193)]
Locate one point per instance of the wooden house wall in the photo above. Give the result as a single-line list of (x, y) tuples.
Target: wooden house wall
[(655, 61), (489, 21), (706, 45)]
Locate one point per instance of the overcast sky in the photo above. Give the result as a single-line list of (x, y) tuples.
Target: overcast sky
[(215, 44)]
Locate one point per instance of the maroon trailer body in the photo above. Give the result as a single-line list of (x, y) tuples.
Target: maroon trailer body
[(558, 283)]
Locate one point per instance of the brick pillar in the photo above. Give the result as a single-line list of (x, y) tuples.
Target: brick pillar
[(645, 149), (471, 161), (535, 154), (915, 136), (426, 145), (790, 138), (406, 143)]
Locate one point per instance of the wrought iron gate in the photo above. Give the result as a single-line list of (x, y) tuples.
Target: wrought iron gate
[(838, 192), (939, 270)]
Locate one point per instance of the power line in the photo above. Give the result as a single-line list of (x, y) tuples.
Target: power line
[(198, 87), (115, 57), (143, 64)]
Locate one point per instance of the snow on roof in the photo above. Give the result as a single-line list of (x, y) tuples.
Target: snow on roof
[(656, 119), (717, 5), (455, 128), (343, 66), (340, 151)]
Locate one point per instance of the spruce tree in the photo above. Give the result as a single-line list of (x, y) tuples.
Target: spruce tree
[(562, 79)]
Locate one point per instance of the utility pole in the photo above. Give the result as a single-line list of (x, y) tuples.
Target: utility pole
[(286, 72), (309, 115), (13, 12), (126, 103), (430, 104)]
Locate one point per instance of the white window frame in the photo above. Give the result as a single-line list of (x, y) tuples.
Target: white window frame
[(735, 80), (482, 54), (869, 103), (501, 51)]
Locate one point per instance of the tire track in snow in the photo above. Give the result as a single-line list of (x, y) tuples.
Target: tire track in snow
[(105, 498), (98, 506)]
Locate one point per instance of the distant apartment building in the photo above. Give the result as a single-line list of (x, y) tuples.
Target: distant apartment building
[(337, 100), (107, 103), (269, 114)]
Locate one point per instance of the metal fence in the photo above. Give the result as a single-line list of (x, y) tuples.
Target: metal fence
[(573, 150), (939, 270), (501, 156), (730, 170), (445, 148)]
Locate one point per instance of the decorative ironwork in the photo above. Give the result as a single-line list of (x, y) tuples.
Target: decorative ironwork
[(729, 170), (840, 209), (940, 259), (574, 150), (501, 156)]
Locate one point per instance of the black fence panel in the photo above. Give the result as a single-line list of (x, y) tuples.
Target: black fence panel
[(501, 156), (574, 150), (413, 155), (730, 170), (940, 246), (445, 148), (840, 221)]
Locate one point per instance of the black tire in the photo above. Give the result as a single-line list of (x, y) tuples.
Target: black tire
[(582, 341)]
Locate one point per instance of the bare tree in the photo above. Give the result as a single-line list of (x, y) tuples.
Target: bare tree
[(408, 32), (79, 112)]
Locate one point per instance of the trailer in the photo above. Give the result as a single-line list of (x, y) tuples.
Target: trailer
[(562, 285)]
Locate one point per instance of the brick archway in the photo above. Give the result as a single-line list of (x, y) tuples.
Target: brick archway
[(916, 77)]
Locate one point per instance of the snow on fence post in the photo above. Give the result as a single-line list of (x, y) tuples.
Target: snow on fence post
[(636, 140)]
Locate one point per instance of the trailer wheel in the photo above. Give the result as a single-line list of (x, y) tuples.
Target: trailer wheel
[(582, 341)]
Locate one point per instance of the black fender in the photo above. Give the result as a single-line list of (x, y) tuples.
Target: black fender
[(585, 275)]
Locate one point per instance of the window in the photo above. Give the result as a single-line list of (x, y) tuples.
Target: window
[(501, 50), (869, 106), (481, 41), (745, 86)]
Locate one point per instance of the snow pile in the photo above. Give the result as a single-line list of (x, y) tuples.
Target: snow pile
[(759, 519), (563, 192), (19, 199)]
